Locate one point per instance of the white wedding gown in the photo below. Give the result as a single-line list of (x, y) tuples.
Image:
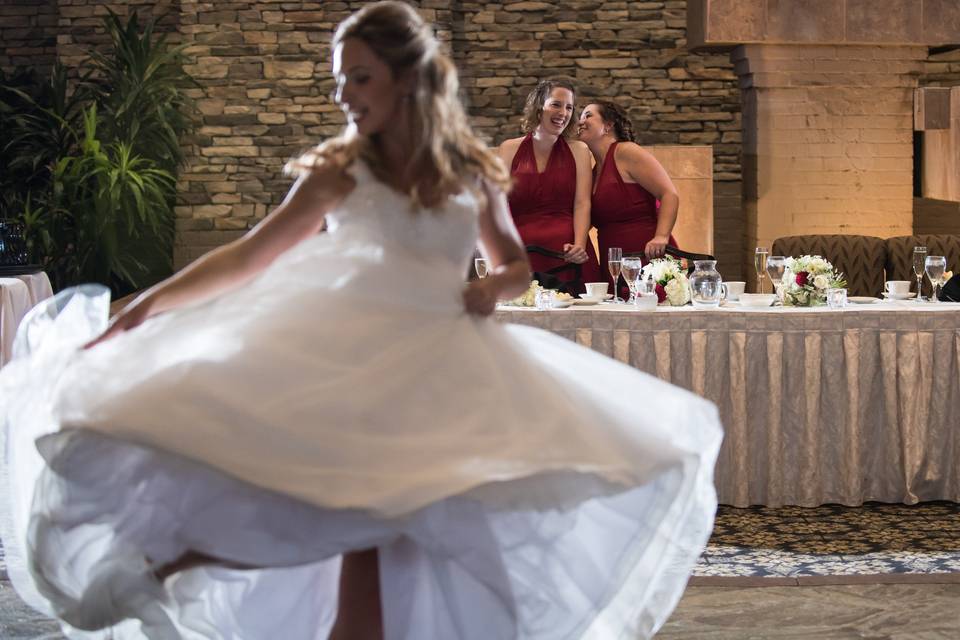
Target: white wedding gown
[(516, 484)]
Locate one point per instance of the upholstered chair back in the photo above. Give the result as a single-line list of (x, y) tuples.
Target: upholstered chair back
[(900, 255), (860, 258)]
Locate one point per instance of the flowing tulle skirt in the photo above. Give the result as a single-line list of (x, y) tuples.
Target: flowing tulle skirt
[(515, 484)]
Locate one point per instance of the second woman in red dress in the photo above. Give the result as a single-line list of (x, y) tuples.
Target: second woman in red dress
[(550, 199), (628, 183)]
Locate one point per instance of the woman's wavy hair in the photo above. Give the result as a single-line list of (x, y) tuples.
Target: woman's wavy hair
[(446, 156), (615, 116), (533, 109)]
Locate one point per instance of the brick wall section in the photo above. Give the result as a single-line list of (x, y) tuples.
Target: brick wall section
[(829, 145), (28, 33), (80, 24), (942, 70)]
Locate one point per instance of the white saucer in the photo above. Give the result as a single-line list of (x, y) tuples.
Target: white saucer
[(587, 301), (563, 304), (899, 296), (862, 299), (596, 299)]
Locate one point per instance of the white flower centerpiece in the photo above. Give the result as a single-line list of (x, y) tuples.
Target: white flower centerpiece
[(806, 280), (670, 280)]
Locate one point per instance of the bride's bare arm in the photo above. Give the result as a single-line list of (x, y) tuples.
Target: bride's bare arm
[(300, 216), (499, 241)]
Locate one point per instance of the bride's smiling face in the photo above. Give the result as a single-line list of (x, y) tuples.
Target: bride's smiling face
[(367, 91)]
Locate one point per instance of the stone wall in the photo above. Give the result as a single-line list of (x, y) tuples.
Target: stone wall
[(28, 33), (263, 70), (942, 69)]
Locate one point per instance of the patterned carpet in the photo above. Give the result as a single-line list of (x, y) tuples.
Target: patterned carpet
[(875, 539)]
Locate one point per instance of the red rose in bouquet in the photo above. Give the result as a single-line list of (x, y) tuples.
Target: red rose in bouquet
[(661, 293), (802, 278)]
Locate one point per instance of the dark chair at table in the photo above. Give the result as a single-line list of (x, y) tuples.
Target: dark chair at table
[(861, 259), (900, 255), (551, 278)]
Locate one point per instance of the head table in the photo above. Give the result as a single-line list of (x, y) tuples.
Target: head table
[(818, 405)]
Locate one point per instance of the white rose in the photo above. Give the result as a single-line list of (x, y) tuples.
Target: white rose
[(676, 292), (821, 281)]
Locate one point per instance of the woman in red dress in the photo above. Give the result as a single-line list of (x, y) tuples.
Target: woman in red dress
[(550, 199), (628, 183)]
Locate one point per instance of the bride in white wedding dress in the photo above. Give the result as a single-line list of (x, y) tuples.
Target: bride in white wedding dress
[(309, 435)]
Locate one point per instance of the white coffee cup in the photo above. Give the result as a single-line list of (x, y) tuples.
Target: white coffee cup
[(898, 287), (596, 289), (734, 289)]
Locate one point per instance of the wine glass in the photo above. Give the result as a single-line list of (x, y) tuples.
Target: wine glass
[(630, 269), (919, 258), (776, 265), (760, 264), (935, 266), (482, 267), (614, 257)]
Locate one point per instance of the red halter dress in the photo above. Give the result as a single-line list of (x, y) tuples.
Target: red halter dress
[(625, 214), (542, 206)]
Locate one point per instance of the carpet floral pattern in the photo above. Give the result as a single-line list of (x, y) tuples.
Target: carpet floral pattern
[(833, 540)]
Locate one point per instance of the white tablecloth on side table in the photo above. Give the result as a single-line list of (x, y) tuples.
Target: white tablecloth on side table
[(38, 284), (15, 301)]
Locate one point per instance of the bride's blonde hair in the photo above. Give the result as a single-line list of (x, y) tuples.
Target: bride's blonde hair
[(446, 156)]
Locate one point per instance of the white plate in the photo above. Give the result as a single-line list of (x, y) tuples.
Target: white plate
[(899, 296), (862, 299), (563, 304), (587, 301)]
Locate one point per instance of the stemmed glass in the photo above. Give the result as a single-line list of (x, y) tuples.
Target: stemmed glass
[(935, 266), (760, 264), (614, 258), (482, 267), (630, 270), (919, 258), (776, 265)]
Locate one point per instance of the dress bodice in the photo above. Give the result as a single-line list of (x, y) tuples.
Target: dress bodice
[(376, 213), (617, 201), (549, 193)]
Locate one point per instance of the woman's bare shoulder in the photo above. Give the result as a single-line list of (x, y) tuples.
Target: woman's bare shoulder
[(508, 149)]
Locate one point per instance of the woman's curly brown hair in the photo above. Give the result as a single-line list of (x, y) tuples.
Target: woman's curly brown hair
[(615, 116), (533, 108)]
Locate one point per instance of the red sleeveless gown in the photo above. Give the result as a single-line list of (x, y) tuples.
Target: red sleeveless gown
[(542, 206), (625, 214)]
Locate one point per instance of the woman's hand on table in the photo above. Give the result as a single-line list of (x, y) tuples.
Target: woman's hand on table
[(480, 296), (657, 247), (574, 253)]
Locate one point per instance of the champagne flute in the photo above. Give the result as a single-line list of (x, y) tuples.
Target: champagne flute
[(630, 270), (760, 264), (776, 266), (935, 266), (919, 258), (482, 267), (614, 258)]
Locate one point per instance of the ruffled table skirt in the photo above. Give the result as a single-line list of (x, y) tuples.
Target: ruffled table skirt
[(818, 406)]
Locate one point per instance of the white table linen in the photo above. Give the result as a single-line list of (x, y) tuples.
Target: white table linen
[(15, 301)]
